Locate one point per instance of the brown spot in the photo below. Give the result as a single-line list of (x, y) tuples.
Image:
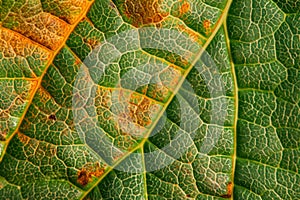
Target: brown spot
[(229, 191), (87, 172), (83, 177), (92, 42), (142, 12), (185, 7), (52, 117)]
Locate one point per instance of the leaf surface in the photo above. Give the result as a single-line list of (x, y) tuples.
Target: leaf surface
[(160, 99)]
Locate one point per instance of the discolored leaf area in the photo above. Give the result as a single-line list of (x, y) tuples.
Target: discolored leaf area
[(150, 99)]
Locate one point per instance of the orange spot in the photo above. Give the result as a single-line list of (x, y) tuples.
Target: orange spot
[(86, 173), (184, 8), (229, 190), (207, 26), (184, 61)]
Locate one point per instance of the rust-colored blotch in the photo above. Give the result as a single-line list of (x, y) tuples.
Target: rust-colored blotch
[(143, 12), (86, 173)]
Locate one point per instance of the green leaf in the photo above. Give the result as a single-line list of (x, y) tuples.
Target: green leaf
[(150, 99)]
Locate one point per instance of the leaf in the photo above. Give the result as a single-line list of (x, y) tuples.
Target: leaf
[(160, 99)]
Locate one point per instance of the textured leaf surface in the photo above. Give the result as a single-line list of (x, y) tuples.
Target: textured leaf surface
[(149, 99)]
